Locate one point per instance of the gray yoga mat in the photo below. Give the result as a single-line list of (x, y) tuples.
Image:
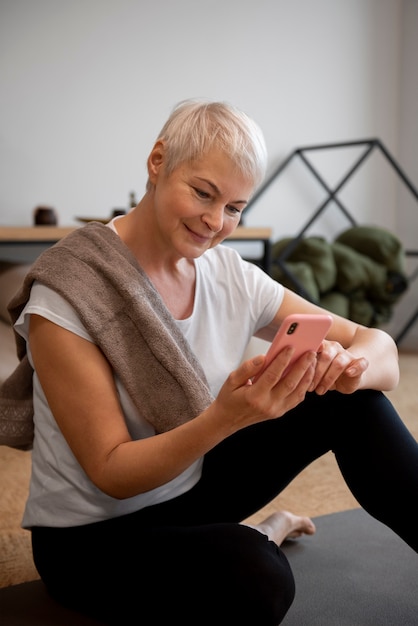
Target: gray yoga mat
[(353, 572)]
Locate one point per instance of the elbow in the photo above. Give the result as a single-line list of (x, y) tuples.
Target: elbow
[(111, 481), (113, 489)]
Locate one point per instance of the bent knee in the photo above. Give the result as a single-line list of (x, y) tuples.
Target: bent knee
[(261, 584)]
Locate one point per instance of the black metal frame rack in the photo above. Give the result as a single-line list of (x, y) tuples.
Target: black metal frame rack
[(369, 145)]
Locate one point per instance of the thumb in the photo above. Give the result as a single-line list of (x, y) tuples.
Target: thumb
[(248, 369)]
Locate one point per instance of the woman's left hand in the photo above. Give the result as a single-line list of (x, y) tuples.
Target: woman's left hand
[(337, 369)]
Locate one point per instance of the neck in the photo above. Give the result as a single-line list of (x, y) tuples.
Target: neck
[(138, 231)]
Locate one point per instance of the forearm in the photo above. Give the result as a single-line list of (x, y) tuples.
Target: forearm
[(134, 467)]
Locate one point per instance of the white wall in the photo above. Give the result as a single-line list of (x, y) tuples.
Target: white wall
[(87, 84), (408, 123), (407, 207)]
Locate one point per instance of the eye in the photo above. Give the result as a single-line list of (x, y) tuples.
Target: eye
[(202, 194), (233, 210)]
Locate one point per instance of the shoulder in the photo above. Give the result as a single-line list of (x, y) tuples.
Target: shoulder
[(47, 303), (223, 267)]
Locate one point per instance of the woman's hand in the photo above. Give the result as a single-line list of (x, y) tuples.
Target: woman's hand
[(337, 369), (243, 403), (353, 356)]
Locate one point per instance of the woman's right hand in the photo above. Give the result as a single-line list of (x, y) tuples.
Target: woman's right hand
[(244, 403)]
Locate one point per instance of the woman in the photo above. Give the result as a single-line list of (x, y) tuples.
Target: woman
[(151, 443)]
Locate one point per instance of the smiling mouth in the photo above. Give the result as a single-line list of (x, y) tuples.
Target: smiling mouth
[(197, 236)]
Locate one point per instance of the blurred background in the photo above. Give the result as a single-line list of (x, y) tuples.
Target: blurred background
[(87, 84)]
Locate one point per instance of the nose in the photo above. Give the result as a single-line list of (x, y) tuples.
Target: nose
[(214, 219)]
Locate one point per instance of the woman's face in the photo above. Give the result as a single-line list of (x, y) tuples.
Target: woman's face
[(199, 204)]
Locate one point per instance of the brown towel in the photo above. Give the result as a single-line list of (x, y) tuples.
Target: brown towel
[(95, 271)]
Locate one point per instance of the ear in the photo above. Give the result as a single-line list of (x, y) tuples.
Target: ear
[(155, 161)]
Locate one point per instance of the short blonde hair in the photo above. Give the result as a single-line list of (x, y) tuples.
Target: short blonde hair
[(196, 126)]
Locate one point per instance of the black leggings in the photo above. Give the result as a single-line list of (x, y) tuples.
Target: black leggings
[(189, 561)]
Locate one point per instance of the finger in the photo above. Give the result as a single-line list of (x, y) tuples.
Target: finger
[(247, 370), (357, 367), (330, 369), (302, 371), (275, 370), (294, 385), (335, 376)]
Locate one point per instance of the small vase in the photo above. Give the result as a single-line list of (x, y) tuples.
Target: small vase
[(45, 216)]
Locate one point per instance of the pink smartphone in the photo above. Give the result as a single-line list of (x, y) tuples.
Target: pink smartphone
[(303, 331)]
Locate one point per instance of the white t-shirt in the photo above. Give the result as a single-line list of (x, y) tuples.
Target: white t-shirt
[(233, 299)]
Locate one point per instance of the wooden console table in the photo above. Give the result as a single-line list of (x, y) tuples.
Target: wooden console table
[(27, 235), (48, 235)]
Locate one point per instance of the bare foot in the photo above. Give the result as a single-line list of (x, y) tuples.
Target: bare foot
[(285, 525)]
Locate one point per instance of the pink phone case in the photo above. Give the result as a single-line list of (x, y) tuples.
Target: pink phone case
[(303, 331)]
